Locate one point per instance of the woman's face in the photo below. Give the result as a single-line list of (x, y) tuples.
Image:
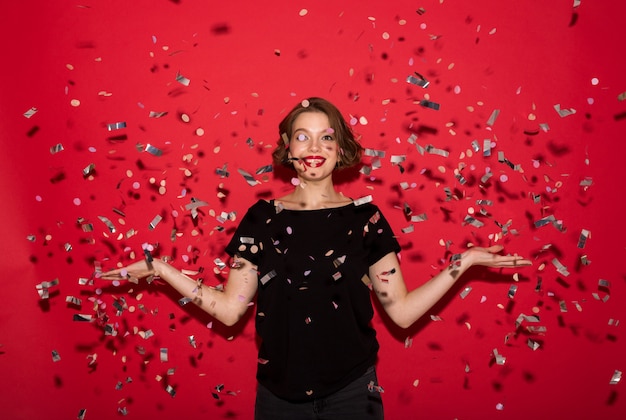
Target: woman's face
[(313, 145)]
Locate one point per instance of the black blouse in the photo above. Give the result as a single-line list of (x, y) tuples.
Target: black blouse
[(314, 308)]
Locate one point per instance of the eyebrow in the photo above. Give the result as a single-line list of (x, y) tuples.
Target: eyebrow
[(324, 131)]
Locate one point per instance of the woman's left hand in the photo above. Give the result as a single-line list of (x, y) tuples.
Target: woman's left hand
[(489, 257)]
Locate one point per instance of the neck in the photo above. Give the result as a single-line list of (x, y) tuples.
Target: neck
[(314, 195)]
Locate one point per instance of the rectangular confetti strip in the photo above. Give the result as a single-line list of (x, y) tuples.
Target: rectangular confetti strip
[(32, 111), (116, 126)]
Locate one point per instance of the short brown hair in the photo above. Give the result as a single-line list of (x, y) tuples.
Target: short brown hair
[(350, 150)]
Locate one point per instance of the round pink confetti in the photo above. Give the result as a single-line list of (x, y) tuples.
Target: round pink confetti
[(289, 230), (38, 198), (422, 26), (457, 89), (590, 101), (595, 81), (174, 213), (504, 178), (77, 201), (124, 272), (98, 291), (536, 164), (353, 121), (295, 181), (116, 283), (92, 149), (136, 185)]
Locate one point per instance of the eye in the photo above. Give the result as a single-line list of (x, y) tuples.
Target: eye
[(301, 137), (328, 137)]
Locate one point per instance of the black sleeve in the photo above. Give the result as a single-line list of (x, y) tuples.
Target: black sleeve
[(379, 237), (248, 240)]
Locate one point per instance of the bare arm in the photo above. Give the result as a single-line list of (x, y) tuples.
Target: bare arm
[(227, 305), (405, 307)]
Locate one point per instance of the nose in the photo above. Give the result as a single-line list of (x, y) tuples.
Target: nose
[(314, 144)]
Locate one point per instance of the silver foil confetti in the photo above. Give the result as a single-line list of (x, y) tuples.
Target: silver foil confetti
[(582, 240), (466, 291), (32, 111), (154, 151), (43, 288), (472, 221), (486, 147), (475, 146), (249, 178), (492, 119), (419, 218), (73, 300), (153, 224), (184, 300), (374, 153), (116, 126), (560, 267), (418, 81), (533, 344), (267, 277), (182, 79), (617, 376), (88, 170), (193, 206), (56, 149), (363, 200), (264, 169), (429, 104), (499, 358), (564, 112)]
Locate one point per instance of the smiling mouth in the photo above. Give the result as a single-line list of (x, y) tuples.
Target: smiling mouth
[(313, 161)]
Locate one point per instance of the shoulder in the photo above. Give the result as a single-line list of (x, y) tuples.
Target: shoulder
[(261, 208)]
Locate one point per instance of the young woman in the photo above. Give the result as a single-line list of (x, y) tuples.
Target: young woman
[(311, 259)]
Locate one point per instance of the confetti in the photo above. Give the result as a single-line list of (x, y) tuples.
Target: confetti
[(582, 240), (363, 200), (249, 178), (43, 288), (492, 119), (267, 277), (563, 112), (116, 126), (182, 79), (617, 376), (32, 111), (466, 291), (429, 104), (560, 267), (155, 151), (500, 360), (418, 81), (153, 224)]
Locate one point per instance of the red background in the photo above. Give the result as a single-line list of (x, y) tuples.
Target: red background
[(248, 62)]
